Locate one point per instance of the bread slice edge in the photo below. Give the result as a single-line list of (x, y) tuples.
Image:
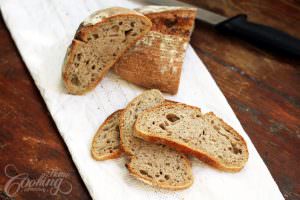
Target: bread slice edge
[(113, 155)]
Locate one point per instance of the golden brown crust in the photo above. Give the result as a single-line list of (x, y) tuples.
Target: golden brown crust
[(179, 22), (113, 155), (149, 181), (179, 146), (156, 60), (81, 36)]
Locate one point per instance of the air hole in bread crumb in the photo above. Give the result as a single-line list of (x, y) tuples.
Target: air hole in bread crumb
[(235, 149), (115, 28), (120, 23), (162, 126), (79, 56), (143, 172), (167, 177), (169, 23), (127, 32), (75, 80), (198, 115), (93, 67), (132, 24), (172, 117), (96, 36)]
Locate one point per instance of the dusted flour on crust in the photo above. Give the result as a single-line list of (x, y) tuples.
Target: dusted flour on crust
[(156, 60)]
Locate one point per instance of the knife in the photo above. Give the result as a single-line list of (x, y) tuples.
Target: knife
[(257, 34)]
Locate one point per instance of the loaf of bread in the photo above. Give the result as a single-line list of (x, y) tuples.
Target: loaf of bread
[(186, 129), (106, 142), (155, 61), (152, 163), (99, 42)]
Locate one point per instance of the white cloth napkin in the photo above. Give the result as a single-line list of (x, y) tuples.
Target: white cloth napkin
[(42, 31)]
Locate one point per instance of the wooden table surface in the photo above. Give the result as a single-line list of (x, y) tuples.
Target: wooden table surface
[(262, 88)]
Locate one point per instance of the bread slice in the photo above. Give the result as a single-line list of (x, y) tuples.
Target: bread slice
[(161, 167), (99, 42), (106, 142), (142, 102), (184, 128), (156, 60), (142, 152)]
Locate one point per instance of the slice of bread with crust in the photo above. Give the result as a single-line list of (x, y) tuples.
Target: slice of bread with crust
[(106, 142), (160, 156), (155, 61), (186, 129), (161, 167), (147, 99), (99, 42)]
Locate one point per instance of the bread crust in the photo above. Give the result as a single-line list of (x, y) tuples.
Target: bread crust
[(179, 146), (148, 181), (113, 155), (156, 60), (81, 37)]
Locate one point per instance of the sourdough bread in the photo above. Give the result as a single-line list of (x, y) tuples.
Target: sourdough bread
[(99, 42), (186, 129), (106, 142), (155, 61), (142, 152), (161, 167)]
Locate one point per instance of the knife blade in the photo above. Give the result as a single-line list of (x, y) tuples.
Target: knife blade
[(259, 35)]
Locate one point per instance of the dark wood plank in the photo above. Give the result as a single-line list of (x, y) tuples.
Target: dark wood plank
[(29, 139)]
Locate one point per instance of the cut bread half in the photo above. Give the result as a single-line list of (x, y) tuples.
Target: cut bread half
[(142, 152), (155, 61), (106, 142), (184, 128), (99, 42)]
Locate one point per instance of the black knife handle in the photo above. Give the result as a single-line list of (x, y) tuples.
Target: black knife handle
[(260, 35)]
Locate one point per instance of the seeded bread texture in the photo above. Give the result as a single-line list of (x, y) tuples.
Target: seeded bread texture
[(155, 61), (99, 42), (186, 129), (106, 142), (142, 152)]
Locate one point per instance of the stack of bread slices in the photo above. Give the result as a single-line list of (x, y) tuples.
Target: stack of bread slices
[(158, 135)]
